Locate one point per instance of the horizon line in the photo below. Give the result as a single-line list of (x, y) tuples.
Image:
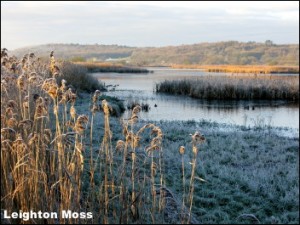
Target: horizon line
[(162, 46)]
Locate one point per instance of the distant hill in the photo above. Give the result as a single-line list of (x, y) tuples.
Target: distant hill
[(76, 51), (230, 52)]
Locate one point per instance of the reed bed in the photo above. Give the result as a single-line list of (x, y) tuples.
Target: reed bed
[(55, 159), (110, 67), (78, 77), (235, 87), (252, 69)]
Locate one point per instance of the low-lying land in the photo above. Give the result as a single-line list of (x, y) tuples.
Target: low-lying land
[(235, 87), (110, 67), (254, 69)]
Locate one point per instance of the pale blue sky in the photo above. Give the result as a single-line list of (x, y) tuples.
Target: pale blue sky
[(147, 23)]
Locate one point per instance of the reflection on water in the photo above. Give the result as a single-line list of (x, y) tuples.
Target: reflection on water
[(139, 87)]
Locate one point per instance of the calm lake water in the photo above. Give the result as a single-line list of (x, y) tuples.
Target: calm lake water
[(140, 88)]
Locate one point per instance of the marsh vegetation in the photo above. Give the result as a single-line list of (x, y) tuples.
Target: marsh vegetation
[(78, 78), (63, 150), (102, 67), (53, 158), (249, 69), (235, 87)]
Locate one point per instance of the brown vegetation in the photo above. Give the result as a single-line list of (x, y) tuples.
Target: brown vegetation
[(254, 69), (54, 159), (110, 67), (239, 87), (78, 78)]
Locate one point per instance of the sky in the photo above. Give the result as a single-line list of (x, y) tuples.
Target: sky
[(145, 24)]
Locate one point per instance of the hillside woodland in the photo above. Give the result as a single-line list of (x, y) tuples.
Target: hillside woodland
[(220, 53)]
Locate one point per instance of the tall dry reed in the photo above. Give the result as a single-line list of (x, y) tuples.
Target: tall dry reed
[(51, 160)]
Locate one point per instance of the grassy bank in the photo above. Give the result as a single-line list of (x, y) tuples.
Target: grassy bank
[(110, 67), (235, 87), (255, 69)]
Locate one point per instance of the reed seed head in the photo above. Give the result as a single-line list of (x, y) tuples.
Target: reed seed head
[(25, 124), (197, 138), (50, 86), (63, 86), (73, 112), (95, 96), (12, 104), (181, 150), (152, 148), (21, 82), (157, 131), (105, 107), (11, 122), (81, 123), (40, 110), (136, 109), (120, 145)]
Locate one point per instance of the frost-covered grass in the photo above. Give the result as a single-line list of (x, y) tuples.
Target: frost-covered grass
[(247, 171)]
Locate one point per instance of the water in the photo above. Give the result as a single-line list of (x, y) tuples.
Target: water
[(140, 87)]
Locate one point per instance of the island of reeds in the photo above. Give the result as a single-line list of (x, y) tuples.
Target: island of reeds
[(236, 87), (237, 69)]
